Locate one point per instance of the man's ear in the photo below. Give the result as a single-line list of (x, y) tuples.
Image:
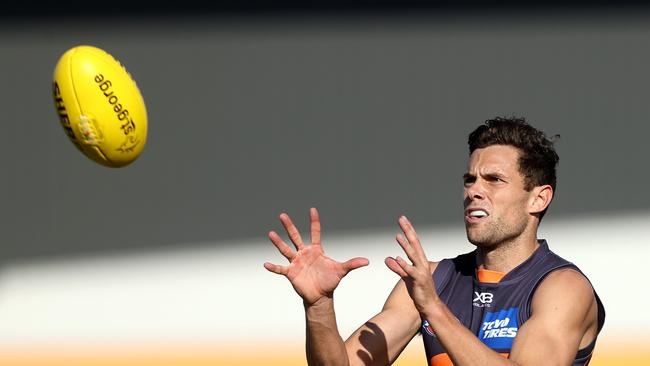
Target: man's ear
[(541, 197)]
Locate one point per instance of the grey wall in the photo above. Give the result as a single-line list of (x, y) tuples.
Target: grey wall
[(364, 117)]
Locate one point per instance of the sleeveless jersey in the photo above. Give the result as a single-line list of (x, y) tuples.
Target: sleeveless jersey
[(495, 311)]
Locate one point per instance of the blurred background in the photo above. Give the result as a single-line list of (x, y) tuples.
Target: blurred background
[(361, 109)]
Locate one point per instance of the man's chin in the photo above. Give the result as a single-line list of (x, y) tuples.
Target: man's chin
[(477, 239)]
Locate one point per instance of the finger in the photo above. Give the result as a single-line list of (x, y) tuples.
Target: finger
[(291, 229), (406, 267), (412, 236), (408, 248), (275, 268), (409, 231), (392, 264), (354, 263), (286, 251), (315, 225)]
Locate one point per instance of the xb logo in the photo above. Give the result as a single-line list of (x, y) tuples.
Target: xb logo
[(483, 297)]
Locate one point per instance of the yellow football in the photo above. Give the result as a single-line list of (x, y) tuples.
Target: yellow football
[(99, 106)]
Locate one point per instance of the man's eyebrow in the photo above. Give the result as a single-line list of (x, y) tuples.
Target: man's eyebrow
[(496, 174), (493, 174)]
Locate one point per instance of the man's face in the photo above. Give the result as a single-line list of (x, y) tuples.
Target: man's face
[(495, 200)]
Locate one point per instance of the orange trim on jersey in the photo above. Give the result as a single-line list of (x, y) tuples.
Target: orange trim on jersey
[(487, 276), (441, 359)]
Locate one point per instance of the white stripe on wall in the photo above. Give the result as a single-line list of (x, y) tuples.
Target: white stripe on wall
[(221, 293)]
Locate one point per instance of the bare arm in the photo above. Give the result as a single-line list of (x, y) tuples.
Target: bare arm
[(314, 276), (563, 315), (323, 343), (381, 339), (563, 320)]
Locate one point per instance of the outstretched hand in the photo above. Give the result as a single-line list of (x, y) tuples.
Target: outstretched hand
[(312, 274), (417, 274)]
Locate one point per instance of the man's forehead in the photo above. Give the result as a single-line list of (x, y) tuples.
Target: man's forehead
[(498, 158)]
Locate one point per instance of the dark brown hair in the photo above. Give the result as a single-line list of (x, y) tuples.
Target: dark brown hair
[(537, 159)]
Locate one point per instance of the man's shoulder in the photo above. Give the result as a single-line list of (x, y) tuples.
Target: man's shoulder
[(566, 278), (568, 287), (569, 284)]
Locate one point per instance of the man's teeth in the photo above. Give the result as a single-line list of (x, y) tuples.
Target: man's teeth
[(478, 213)]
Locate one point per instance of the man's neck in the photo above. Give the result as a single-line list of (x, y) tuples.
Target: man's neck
[(507, 255)]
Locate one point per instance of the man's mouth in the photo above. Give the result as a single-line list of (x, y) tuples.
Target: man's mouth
[(475, 214)]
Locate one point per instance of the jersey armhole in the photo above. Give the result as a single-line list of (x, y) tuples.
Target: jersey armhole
[(525, 314), (585, 353)]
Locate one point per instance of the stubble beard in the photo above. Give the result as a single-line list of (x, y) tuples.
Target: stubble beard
[(493, 233)]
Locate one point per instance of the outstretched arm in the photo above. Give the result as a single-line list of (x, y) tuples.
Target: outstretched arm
[(315, 276), (381, 339)]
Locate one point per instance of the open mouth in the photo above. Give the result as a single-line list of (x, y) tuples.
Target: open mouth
[(475, 214)]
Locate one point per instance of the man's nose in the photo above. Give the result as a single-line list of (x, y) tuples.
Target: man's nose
[(475, 191)]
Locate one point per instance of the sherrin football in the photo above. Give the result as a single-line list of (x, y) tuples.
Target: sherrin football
[(99, 106)]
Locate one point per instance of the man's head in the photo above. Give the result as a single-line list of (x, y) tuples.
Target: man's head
[(510, 180)]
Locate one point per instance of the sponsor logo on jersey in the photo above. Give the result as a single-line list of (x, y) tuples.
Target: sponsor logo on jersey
[(427, 328), (483, 299), (499, 328)]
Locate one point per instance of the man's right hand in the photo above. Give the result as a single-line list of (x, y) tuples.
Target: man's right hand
[(312, 274)]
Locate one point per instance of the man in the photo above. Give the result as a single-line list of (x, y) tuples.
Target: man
[(509, 302)]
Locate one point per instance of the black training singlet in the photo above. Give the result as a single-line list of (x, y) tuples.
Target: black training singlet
[(495, 311)]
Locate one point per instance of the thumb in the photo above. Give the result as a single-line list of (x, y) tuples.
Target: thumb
[(354, 263)]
